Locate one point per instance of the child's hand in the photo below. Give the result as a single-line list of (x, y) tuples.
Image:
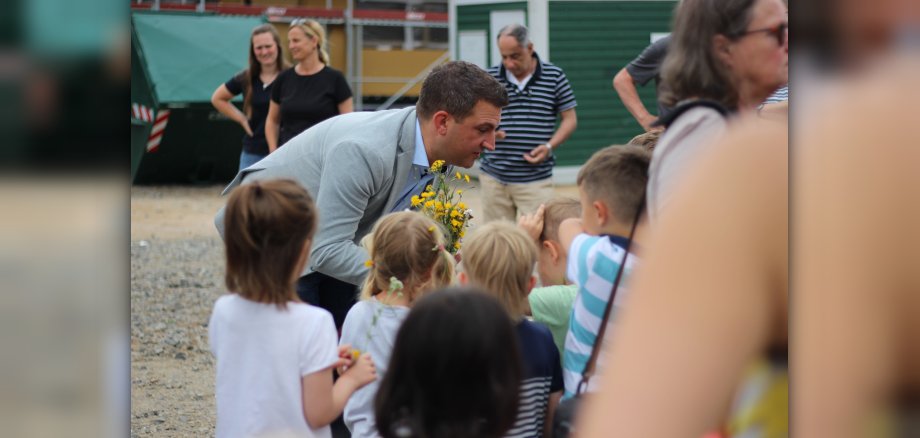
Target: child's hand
[(533, 223), (347, 357), (362, 372)]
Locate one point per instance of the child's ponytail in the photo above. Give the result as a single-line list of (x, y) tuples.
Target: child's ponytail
[(410, 247)]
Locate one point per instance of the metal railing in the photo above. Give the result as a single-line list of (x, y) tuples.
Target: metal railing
[(418, 78)]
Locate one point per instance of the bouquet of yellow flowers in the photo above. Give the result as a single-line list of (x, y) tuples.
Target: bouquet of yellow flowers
[(444, 204)]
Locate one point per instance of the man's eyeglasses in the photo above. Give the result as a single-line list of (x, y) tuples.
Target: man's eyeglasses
[(780, 32)]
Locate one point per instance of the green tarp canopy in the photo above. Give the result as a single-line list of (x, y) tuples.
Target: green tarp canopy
[(187, 56)]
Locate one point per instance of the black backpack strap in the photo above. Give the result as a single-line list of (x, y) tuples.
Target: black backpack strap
[(687, 105)]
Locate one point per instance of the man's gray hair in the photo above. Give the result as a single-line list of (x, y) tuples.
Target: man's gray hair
[(516, 31)]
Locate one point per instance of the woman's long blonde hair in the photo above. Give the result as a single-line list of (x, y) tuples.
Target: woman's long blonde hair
[(410, 247)]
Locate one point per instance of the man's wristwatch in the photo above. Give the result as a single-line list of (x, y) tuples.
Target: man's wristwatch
[(549, 146)]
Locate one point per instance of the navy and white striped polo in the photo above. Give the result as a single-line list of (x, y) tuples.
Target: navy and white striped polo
[(528, 120)]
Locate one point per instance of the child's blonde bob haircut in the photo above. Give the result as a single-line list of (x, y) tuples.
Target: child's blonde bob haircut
[(409, 246), (499, 257)]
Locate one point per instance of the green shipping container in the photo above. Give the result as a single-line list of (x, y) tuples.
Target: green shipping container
[(178, 59), (592, 41)]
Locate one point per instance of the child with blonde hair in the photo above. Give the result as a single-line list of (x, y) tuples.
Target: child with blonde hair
[(275, 354), (407, 260), (499, 257)]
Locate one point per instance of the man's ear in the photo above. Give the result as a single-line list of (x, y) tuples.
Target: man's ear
[(440, 119), (533, 283), (462, 279), (722, 48)]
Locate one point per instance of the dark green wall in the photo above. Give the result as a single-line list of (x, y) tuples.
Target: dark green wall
[(591, 41)]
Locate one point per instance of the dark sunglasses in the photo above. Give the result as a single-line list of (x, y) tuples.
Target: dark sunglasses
[(780, 32)]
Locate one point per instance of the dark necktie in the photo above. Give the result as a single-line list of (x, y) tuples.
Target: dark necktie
[(419, 177)]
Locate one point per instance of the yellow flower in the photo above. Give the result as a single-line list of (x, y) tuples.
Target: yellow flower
[(459, 176), (456, 223), (436, 167), (355, 354), (467, 178), (431, 229), (369, 264), (447, 206), (457, 245), (426, 195), (459, 192), (461, 205), (462, 233), (429, 204), (416, 200)]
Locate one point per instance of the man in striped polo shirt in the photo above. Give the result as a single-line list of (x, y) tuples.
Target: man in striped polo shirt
[(517, 176)]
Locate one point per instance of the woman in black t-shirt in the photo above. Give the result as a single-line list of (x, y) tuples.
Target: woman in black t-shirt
[(308, 93), (255, 83)]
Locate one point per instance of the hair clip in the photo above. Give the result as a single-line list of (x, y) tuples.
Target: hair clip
[(369, 264)]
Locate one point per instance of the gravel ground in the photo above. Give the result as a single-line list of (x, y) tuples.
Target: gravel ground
[(177, 272), (174, 284)]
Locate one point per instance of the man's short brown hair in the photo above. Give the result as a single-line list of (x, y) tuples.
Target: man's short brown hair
[(617, 176), (456, 87), (266, 226)]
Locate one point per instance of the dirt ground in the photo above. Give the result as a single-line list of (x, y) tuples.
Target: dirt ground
[(176, 274)]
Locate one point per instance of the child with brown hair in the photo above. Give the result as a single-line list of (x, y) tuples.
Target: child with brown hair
[(551, 304), (275, 354), (499, 257), (611, 187), (407, 260)]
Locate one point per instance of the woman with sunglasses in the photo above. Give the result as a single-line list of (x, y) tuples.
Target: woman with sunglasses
[(726, 57), (308, 93)]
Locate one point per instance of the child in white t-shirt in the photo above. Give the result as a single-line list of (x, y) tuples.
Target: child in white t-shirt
[(408, 259), (275, 354)]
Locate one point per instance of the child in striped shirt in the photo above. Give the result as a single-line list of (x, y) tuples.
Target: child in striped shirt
[(611, 187), (499, 258)]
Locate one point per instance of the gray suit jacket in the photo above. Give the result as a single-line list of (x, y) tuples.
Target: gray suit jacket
[(354, 165)]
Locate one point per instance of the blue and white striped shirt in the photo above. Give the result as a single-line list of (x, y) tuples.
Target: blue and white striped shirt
[(780, 95), (542, 378), (593, 264)]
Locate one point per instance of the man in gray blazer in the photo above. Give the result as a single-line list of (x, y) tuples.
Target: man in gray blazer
[(363, 165)]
